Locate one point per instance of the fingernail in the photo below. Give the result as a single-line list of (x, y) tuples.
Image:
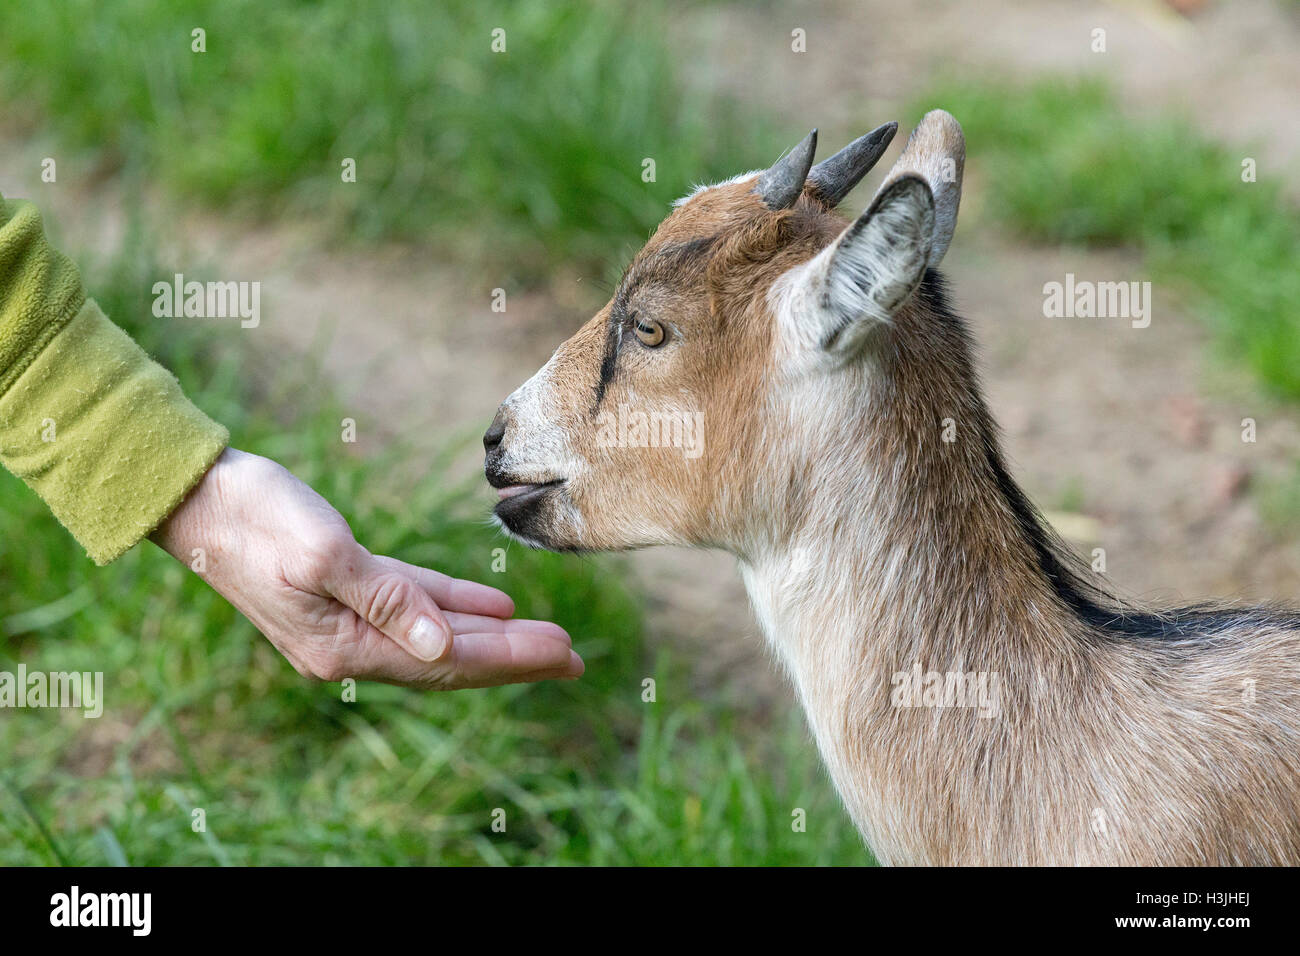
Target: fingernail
[(428, 639)]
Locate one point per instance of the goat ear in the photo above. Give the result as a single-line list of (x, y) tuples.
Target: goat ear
[(864, 276), (936, 154)]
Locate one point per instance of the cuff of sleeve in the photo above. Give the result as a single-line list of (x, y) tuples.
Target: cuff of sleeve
[(104, 435)]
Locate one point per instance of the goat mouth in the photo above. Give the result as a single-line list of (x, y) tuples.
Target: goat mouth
[(517, 495)]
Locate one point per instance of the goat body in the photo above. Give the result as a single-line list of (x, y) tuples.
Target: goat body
[(977, 697)]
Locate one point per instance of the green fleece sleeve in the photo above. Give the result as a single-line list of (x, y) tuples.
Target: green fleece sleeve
[(95, 427)]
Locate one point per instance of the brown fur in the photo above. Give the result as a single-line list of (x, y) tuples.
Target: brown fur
[(871, 545)]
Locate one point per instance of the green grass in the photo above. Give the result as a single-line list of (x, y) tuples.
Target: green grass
[(1062, 162), (530, 157), (201, 712), (513, 162)]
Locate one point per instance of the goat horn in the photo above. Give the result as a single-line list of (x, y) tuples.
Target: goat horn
[(833, 178), (781, 185)]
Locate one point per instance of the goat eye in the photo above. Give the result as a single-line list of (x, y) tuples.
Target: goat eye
[(649, 332)]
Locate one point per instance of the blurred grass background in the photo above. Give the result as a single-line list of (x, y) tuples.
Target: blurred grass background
[(446, 131), (201, 711), (1153, 185), (524, 160)]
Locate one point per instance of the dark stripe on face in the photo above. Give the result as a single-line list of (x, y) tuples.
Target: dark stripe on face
[(609, 359), (684, 253), (665, 264)]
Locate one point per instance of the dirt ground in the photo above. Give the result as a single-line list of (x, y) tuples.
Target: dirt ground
[(1130, 438)]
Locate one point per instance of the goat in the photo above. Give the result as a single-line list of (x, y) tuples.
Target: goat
[(895, 567)]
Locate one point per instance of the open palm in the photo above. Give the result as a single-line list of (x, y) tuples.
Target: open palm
[(288, 561)]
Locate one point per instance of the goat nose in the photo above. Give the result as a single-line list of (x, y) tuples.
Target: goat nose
[(492, 437)]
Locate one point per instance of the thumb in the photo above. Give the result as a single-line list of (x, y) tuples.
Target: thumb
[(395, 604)]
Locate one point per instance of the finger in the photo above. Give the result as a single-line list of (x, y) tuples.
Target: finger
[(455, 594), (572, 672), (395, 604), (480, 624), (506, 657), (517, 653)]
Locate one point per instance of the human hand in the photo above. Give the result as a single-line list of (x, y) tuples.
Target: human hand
[(288, 561)]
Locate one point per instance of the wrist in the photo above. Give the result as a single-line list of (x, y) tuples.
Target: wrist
[(189, 526)]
